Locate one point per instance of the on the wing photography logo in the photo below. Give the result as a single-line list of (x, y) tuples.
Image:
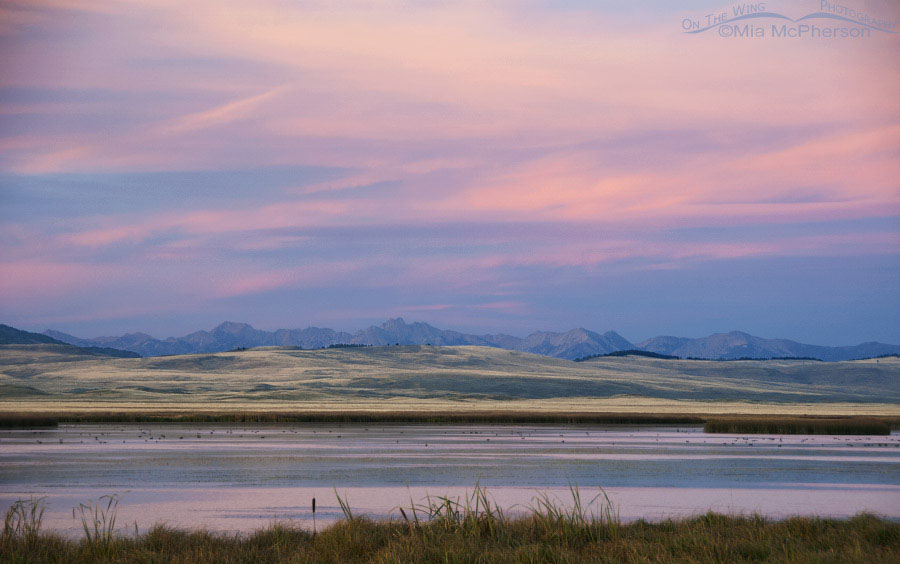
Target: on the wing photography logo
[(762, 20)]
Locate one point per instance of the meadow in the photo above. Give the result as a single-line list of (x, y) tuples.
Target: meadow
[(435, 380)]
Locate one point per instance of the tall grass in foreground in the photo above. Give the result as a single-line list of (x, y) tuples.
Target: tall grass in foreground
[(98, 520), (799, 426), (23, 520), (474, 529)]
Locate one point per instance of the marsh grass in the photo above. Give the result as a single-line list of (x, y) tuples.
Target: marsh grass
[(474, 514), (23, 521), (799, 426), (98, 520), (850, 423), (578, 519), (475, 529), (345, 506), (26, 421), (12, 419), (768, 424)]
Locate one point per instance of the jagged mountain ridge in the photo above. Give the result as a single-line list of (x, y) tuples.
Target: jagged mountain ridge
[(737, 344), (230, 335), (569, 345)]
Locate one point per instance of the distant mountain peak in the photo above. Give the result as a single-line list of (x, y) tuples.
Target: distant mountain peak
[(59, 335), (138, 335), (231, 327), (738, 344), (572, 344)]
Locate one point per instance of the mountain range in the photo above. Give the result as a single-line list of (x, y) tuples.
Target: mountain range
[(12, 336), (573, 344), (741, 345)]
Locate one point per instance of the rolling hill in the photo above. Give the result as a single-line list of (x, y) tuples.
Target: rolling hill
[(12, 336), (415, 375)]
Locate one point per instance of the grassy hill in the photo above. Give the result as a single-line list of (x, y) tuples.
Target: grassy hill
[(411, 377)]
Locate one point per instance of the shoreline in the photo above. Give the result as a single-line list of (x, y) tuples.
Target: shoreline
[(614, 405), (735, 423)]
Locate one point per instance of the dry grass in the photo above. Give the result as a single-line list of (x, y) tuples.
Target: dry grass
[(439, 379), (14, 419), (475, 530), (761, 423)]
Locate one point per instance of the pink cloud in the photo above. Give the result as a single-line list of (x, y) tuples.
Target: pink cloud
[(241, 282), (225, 113), (474, 112), (34, 279), (207, 222), (408, 74), (854, 175)]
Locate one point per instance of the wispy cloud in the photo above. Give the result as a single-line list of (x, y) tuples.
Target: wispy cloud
[(226, 113), (483, 148)]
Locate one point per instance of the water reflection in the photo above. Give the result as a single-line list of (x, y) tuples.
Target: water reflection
[(234, 477)]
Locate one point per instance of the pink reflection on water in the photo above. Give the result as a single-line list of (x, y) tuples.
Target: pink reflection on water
[(223, 506), (245, 509)]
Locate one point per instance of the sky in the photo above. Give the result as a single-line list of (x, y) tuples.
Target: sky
[(482, 166)]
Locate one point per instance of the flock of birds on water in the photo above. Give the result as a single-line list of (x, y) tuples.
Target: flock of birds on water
[(76, 434)]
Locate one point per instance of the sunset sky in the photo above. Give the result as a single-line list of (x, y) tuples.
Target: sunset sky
[(481, 166)]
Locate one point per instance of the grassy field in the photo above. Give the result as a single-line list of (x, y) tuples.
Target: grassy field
[(40, 378), (474, 530)]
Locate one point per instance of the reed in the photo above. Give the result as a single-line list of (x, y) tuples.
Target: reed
[(713, 424), (447, 417), (22, 522), (798, 426), (474, 514), (580, 520), (345, 506), (864, 539), (26, 421), (98, 520)]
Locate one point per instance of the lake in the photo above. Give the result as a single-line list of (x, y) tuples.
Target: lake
[(232, 477)]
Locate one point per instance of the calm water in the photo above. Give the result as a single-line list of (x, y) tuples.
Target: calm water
[(238, 478)]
